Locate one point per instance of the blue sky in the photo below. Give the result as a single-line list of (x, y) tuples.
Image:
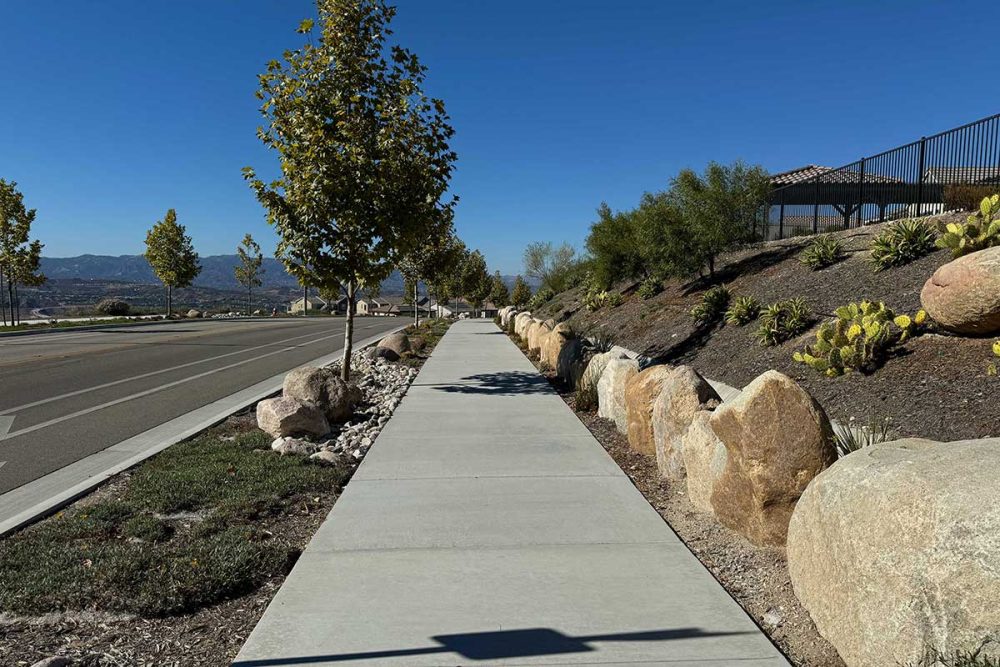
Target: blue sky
[(113, 111)]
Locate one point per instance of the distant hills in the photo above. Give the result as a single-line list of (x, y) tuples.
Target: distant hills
[(216, 271)]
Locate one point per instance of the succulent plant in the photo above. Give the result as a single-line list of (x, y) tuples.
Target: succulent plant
[(901, 243), (859, 338), (713, 305), (783, 320), (743, 310), (979, 231), (822, 251)]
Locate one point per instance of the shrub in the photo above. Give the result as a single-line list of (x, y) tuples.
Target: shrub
[(933, 657), (859, 339), (113, 306), (852, 438), (900, 243), (649, 288), (713, 305), (822, 251), (783, 320), (965, 197), (541, 297), (743, 310), (979, 232), (595, 300)]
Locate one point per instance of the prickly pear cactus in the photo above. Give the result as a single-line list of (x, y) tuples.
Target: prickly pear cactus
[(978, 232)]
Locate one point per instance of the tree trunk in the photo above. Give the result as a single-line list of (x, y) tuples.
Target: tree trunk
[(305, 300), (3, 300), (17, 302), (416, 311), (249, 301), (345, 364), (10, 299)]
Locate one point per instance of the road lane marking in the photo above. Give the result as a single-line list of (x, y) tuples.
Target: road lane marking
[(86, 411), (5, 424), (19, 408)]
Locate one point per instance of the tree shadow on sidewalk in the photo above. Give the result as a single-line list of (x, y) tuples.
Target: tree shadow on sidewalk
[(504, 383)]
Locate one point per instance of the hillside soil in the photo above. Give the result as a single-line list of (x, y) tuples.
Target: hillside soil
[(934, 387)]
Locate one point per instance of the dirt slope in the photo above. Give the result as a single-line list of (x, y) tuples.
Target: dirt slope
[(935, 388)]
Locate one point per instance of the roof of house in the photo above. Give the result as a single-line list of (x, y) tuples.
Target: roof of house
[(962, 174), (829, 175)]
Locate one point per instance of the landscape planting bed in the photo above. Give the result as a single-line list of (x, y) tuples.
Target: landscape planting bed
[(936, 387)]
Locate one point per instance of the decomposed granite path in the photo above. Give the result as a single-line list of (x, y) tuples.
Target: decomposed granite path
[(487, 526)]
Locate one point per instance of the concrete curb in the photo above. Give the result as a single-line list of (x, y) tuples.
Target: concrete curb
[(44, 496)]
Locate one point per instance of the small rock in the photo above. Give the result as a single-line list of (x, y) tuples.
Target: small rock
[(771, 618), (325, 456), (55, 661)]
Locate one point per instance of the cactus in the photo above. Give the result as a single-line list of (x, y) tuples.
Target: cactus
[(978, 232), (859, 338)]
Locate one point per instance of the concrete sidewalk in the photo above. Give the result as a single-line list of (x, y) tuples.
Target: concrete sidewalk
[(487, 526)]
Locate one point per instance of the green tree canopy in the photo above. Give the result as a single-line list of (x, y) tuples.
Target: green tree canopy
[(476, 280), (250, 268), (19, 254), (550, 265), (171, 254), (499, 294), (521, 293), (364, 153)]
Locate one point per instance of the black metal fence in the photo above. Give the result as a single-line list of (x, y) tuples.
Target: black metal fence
[(920, 178)]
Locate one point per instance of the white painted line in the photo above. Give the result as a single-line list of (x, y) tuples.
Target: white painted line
[(5, 424), (168, 385), (18, 408)]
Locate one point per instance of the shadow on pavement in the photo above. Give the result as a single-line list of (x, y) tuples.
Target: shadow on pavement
[(505, 383), (497, 645)]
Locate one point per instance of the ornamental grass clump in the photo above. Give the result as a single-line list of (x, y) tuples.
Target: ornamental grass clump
[(744, 309), (859, 339), (978, 232), (713, 305), (822, 251), (901, 243), (783, 320)]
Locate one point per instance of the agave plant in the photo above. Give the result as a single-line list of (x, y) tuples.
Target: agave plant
[(900, 243), (744, 309)]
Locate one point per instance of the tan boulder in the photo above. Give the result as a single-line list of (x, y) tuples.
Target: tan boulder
[(552, 343), (284, 416), (570, 362), (964, 295), (393, 346), (683, 395), (641, 392), (896, 548), (322, 388), (536, 334), (704, 460), (521, 322), (611, 391), (595, 367), (777, 439)]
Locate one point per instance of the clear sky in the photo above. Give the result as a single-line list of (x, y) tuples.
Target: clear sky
[(112, 111)]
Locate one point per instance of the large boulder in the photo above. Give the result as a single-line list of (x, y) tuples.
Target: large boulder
[(521, 322), (323, 388), (570, 362), (896, 548), (777, 439), (284, 416), (704, 460), (964, 295), (393, 346), (552, 344), (194, 313), (595, 368), (684, 393), (641, 392), (611, 391), (536, 332)]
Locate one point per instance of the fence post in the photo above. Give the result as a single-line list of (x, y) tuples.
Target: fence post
[(861, 192), (781, 218), (920, 179), (816, 206)]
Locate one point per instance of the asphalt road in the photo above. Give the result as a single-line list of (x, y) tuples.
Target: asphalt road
[(72, 394)]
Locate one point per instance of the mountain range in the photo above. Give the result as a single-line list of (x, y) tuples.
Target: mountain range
[(216, 271)]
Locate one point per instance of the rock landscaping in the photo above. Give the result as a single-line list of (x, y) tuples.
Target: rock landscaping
[(963, 296), (174, 561)]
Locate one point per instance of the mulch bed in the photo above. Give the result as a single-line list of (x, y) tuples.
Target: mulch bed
[(936, 387)]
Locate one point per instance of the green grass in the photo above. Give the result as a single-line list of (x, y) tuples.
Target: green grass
[(129, 554)]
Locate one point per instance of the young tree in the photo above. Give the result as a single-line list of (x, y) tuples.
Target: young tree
[(476, 281), (499, 294), (720, 207), (521, 294), (19, 255), (550, 266), (171, 254), (364, 152), (250, 268)]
